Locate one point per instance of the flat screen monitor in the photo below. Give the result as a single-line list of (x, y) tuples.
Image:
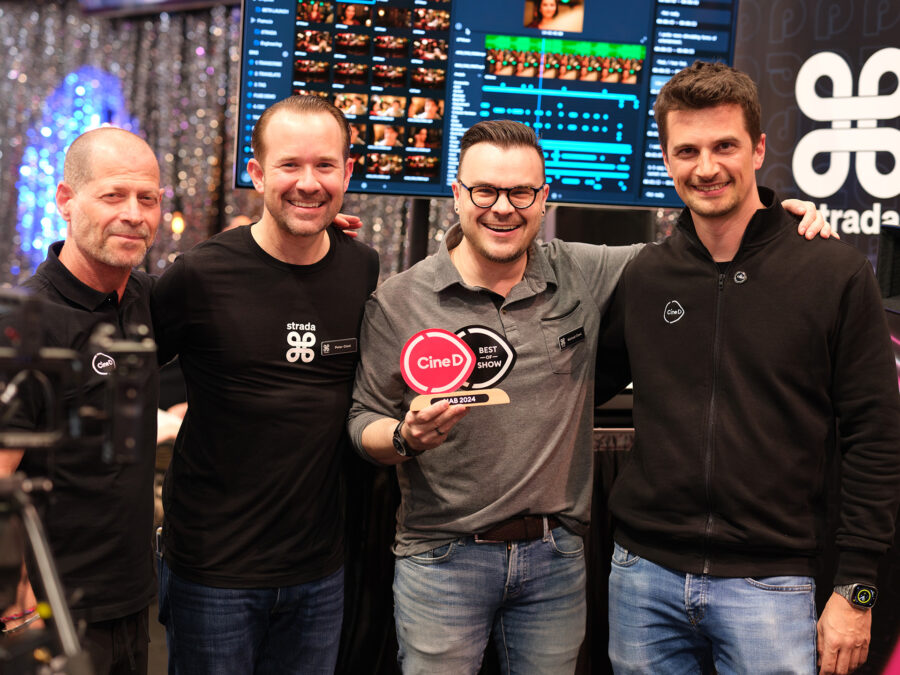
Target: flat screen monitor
[(412, 75)]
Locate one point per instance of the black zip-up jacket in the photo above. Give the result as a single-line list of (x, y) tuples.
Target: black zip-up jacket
[(743, 380)]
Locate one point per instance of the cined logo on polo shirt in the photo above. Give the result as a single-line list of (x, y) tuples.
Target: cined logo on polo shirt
[(103, 364)]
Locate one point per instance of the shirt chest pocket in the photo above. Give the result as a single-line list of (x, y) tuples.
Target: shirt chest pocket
[(564, 337)]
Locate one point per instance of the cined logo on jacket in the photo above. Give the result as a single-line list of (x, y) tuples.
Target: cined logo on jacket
[(673, 311)]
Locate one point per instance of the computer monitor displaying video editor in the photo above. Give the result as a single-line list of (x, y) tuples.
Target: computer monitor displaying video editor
[(412, 75)]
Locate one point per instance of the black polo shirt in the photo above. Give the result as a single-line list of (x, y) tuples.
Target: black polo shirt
[(99, 516)]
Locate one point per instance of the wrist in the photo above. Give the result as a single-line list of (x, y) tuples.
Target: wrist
[(402, 444)]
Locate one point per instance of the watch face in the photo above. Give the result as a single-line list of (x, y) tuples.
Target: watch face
[(864, 596)]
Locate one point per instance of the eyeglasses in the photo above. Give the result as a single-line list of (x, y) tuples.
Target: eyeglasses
[(485, 196)]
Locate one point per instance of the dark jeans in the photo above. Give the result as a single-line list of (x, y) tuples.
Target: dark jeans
[(224, 631)]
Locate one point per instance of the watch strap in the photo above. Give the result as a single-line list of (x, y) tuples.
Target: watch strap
[(401, 446)]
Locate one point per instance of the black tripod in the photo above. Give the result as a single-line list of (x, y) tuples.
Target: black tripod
[(15, 502)]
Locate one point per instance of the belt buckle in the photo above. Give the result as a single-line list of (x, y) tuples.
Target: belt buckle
[(479, 540)]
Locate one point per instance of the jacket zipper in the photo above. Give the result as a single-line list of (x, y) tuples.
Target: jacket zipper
[(711, 422)]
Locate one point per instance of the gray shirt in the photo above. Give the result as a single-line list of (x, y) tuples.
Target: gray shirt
[(532, 456)]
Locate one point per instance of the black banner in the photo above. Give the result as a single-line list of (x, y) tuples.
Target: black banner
[(828, 73)]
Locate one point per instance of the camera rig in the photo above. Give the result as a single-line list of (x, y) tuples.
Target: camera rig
[(54, 377)]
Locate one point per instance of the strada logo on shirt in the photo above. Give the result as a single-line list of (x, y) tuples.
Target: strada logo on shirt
[(301, 344), (673, 312), (103, 364)]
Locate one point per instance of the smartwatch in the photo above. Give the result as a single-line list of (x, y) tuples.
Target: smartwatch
[(859, 595), (401, 446)]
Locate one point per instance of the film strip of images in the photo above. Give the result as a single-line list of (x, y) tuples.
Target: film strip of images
[(510, 56), (385, 67)]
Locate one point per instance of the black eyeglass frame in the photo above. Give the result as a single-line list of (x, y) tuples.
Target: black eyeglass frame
[(497, 190)]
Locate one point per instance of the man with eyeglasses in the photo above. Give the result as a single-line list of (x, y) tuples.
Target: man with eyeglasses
[(495, 499)]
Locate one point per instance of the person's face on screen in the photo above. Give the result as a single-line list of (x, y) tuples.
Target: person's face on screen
[(112, 217), (500, 233), (712, 159), (549, 8), (303, 174)]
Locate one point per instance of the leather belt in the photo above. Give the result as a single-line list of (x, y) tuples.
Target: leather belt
[(523, 528)]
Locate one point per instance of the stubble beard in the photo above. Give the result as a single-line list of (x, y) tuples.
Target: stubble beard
[(299, 227), (102, 251)]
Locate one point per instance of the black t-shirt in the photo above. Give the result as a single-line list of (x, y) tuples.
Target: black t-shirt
[(269, 352), (99, 516)]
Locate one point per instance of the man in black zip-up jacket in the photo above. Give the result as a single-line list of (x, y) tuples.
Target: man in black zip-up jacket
[(754, 354)]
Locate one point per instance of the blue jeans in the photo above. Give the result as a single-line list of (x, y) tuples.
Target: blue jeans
[(530, 595), (220, 631), (666, 622)]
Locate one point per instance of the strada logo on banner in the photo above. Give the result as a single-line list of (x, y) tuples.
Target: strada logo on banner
[(827, 73), (842, 141)]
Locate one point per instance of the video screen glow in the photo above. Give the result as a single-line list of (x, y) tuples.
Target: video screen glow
[(894, 325), (412, 75)]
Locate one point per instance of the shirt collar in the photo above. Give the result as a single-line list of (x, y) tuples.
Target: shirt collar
[(538, 271), (766, 223), (69, 286)]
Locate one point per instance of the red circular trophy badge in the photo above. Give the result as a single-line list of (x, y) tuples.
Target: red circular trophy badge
[(438, 364), (435, 361)]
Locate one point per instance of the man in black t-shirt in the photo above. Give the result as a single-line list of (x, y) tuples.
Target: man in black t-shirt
[(100, 515), (265, 321)]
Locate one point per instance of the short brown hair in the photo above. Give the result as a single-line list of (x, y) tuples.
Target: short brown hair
[(502, 133), (706, 85), (299, 105)]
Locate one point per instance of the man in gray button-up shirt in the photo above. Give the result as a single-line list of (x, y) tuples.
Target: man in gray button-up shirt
[(463, 474)]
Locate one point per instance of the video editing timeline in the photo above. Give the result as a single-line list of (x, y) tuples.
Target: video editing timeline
[(585, 131), (412, 75)]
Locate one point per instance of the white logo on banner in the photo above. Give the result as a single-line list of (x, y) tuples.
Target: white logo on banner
[(841, 109)]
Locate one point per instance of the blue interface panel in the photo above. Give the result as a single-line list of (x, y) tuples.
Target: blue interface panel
[(412, 75)]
